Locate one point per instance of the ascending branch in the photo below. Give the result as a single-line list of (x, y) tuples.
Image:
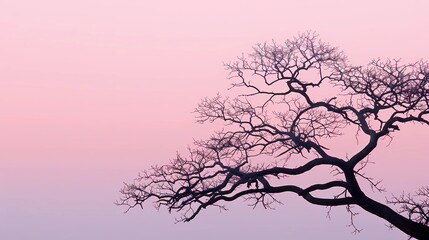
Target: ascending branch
[(282, 115)]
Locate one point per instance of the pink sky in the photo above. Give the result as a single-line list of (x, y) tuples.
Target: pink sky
[(92, 92)]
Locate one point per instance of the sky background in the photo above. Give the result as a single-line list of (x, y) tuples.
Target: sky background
[(93, 91)]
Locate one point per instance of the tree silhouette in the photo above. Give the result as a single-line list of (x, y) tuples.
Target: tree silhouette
[(287, 111)]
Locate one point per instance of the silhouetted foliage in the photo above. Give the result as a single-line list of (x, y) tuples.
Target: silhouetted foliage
[(286, 111)]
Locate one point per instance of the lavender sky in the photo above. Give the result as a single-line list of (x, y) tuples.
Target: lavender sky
[(93, 91)]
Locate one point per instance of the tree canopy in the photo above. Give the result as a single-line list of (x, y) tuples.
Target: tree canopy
[(294, 99)]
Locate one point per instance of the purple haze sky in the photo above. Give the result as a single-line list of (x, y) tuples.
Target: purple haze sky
[(93, 91)]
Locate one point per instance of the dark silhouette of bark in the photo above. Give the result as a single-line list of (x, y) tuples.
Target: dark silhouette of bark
[(282, 115)]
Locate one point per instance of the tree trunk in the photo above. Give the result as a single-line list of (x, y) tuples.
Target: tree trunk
[(415, 230)]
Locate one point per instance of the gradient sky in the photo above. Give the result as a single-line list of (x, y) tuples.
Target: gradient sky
[(93, 91)]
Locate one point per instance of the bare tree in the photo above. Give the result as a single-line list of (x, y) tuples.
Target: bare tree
[(286, 111)]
